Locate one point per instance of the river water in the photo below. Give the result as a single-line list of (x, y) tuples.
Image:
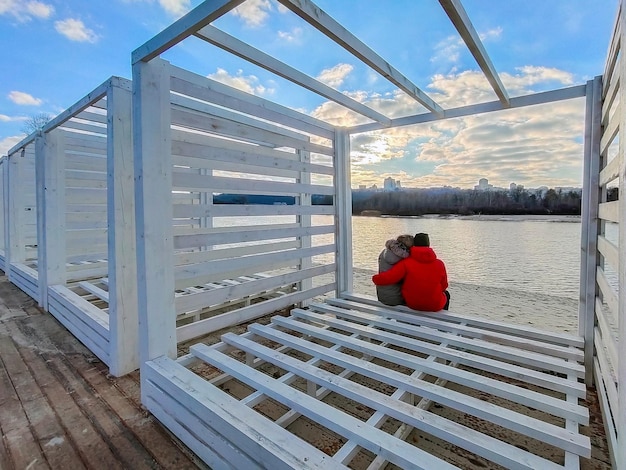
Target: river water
[(527, 254)]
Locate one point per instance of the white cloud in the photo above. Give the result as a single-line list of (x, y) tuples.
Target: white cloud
[(19, 97), (9, 142), (26, 11), (5, 118), (335, 76), (248, 83), (253, 12), (75, 30), (176, 7), (294, 36)]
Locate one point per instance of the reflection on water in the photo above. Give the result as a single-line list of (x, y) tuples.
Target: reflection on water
[(528, 255)]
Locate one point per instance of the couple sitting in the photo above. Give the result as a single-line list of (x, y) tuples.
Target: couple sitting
[(409, 273)]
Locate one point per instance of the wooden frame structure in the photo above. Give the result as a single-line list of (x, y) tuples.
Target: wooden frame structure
[(84, 272), (110, 223), (282, 366)]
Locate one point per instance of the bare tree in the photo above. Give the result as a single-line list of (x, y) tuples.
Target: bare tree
[(35, 122)]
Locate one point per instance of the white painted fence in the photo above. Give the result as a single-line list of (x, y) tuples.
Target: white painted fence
[(603, 266), (3, 212)]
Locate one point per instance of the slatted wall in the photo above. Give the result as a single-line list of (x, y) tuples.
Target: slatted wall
[(22, 228), (225, 264), (3, 213), (604, 262)]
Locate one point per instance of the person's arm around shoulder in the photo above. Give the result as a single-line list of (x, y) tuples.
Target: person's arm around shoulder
[(392, 276)]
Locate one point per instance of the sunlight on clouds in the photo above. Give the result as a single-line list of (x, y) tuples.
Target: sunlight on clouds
[(249, 84), (19, 97), (253, 12), (75, 30), (8, 143), (175, 7), (336, 75), (26, 11)]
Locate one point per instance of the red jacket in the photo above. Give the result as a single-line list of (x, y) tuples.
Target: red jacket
[(424, 276)]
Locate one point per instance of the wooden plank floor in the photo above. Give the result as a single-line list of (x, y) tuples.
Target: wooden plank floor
[(59, 408)]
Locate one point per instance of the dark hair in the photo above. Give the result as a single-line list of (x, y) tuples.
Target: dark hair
[(421, 239)]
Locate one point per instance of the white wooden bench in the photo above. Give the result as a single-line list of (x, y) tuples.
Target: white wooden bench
[(389, 365)]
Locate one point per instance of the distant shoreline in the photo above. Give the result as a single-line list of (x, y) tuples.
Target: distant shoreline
[(498, 217)]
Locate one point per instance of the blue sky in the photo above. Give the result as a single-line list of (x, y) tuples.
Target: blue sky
[(56, 51)]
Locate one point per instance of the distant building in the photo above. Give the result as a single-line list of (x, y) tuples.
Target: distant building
[(389, 184), (483, 185), (512, 187)]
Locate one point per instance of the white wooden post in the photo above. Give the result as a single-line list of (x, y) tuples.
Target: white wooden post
[(4, 164), (122, 255), (343, 202), (304, 220), (153, 199), (51, 230), (620, 458), (15, 246), (589, 234)]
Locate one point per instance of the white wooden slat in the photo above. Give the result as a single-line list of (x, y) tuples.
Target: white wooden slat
[(245, 210), (248, 263), (86, 175), (90, 114), (89, 287), (529, 358), (463, 330), (353, 429), (208, 153), (609, 172), (195, 257), (609, 295), (610, 91), (88, 127), (609, 251), (608, 379), (207, 123), (469, 379), (86, 195), (609, 426), (200, 87), (609, 211), (251, 433), (610, 132), (97, 320), (185, 103), (487, 324), (607, 333), (95, 343), (239, 48), (240, 234), (217, 296), (90, 249), (244, 314), (509, 419), (189, 182), (614, 46), (423, 345)]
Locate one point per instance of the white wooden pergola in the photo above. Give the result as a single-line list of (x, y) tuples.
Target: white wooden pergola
[(283, 363), (362, 375)]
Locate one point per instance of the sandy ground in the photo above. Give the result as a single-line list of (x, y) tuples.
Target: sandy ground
[(548, 312)]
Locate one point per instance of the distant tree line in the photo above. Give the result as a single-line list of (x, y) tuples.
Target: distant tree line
[(466, 202), (408, 202)]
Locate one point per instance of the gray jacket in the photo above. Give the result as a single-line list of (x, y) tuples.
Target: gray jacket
[(394, 251)]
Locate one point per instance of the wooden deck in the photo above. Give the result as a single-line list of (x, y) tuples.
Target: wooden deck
[(59, 408)]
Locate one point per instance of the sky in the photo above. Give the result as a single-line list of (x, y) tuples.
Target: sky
[(54, 52)]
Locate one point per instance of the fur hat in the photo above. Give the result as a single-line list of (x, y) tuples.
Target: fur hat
[(421, 239), (406, 240)]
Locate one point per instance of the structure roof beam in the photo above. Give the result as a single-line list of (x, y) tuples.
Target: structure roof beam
[(455, 11), (204, 14), (316, 17), (233, 45)]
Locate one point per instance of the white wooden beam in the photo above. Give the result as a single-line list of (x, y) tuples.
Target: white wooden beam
[(455, 11), (577, 91), (202, 15), (233, 45), (319, 19), (343, 204)]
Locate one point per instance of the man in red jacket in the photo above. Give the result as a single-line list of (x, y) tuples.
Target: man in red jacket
[(425, 278)]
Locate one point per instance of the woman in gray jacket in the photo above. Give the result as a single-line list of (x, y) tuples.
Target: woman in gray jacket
[(394, 251)]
